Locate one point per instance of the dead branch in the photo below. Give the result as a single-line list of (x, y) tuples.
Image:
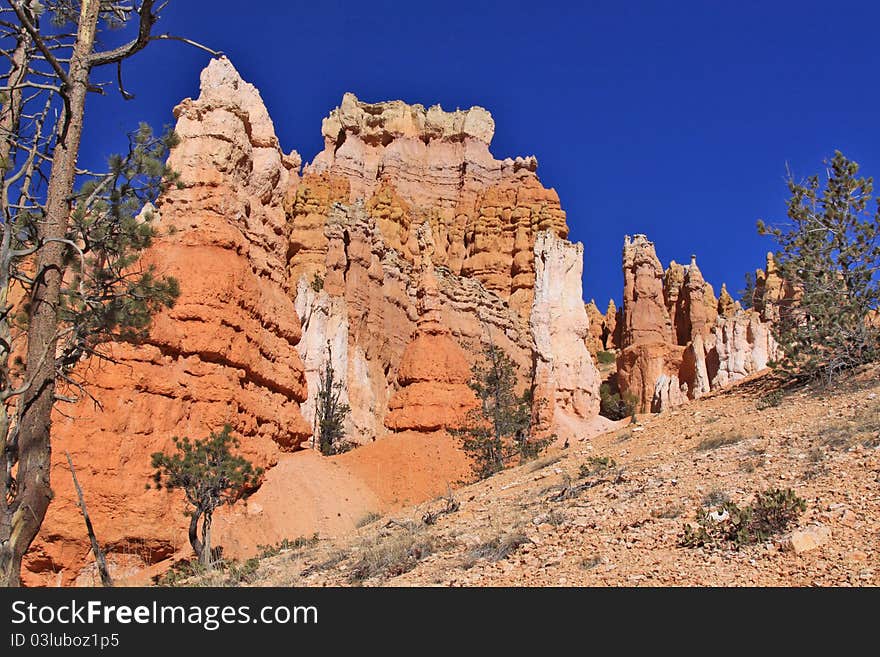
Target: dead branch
[(106, 580), (452, 505)]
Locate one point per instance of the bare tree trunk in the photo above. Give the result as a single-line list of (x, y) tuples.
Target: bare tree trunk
[(206, 557), (11, 111), (197, 545), (34, 492), (106, 580), (10, 116)]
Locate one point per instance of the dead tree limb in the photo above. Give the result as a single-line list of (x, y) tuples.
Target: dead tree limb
[(106, 580)]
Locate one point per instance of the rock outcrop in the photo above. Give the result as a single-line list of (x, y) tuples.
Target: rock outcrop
[(648, 345), (226, 352), (678, 340), (395, 256), (408, 165), (433, 374), (566, 379), (392, 175), (596, 338)]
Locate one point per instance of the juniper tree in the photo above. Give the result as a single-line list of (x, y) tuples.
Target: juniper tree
[(69, 237), (209, 475), (501, 426), (830, 255)]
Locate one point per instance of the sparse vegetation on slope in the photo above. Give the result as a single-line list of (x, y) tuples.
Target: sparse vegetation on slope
[(623, 524)]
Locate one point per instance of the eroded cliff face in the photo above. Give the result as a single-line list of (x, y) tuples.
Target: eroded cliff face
[(678, 340), (394, 182), (566, 379), (401, 251), (408, 165), (226, 352)]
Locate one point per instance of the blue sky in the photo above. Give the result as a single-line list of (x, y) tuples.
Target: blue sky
[(674, 119)]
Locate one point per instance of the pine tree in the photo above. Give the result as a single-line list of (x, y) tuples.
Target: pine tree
[(67, 247), (501, 427), (747, 294), (830, 255), (210, 475), (330, 411)]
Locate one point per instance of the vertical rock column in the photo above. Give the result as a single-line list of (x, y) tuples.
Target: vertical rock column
[(566, 379)]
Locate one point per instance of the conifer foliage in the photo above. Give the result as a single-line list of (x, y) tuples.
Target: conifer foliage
[(501, 427), (829, 253), (210, 475), (330, 411), (69, 237)]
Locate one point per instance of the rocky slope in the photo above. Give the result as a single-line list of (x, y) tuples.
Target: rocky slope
[(564, 520)]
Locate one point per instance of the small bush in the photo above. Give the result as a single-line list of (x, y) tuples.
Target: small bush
[(391, 557), (770, 400), (335, 558), (623, 436), (730, 526), (863, 429), (596, 464), (714, 442), (606, 357), (180, 572), (715, 498), (588, 563), (615, 407), (368, 519), (317, 282), (242, 573), (497, 548), (286, 544)]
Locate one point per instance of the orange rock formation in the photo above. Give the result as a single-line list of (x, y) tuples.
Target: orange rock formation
[(225, 353), (678, 341), (405, 245)]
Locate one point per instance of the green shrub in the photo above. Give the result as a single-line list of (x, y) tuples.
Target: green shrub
[(770, 400), (828, 258), (731, 526), (210, 475), (242, 572), (287, 544), (501, 427), (180, 572), (330, 411), (606, 357), (615, 407)]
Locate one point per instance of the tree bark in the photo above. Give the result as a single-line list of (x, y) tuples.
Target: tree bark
[(106, 580), (206, 557), (10, 115), (194, 533), (34, 492)]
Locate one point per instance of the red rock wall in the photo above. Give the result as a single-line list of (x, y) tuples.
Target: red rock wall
[(225, 353)]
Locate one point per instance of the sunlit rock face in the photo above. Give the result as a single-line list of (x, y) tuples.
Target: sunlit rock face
[(396, 256), (678, 341)]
